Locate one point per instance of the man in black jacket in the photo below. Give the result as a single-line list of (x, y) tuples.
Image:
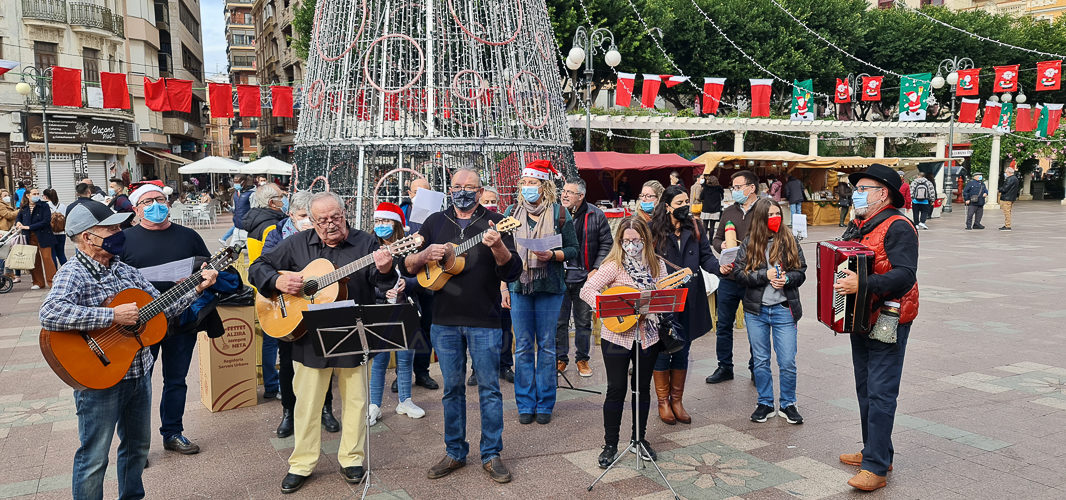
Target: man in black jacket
[(594, 242), (1008, 194), (794, 195), (974, 194), (268, 208)]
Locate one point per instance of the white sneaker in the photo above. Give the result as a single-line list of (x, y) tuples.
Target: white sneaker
[(409, 408), (35, 287), (923, 226), (375, 414)]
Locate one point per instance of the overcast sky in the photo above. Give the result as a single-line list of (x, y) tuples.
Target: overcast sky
[(213, 22)]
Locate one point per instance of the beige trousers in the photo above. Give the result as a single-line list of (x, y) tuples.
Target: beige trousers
[(309, 385), (1007, 206)]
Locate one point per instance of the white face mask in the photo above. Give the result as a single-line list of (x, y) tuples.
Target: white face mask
[(303, 224), (633, 249), (7, 199)]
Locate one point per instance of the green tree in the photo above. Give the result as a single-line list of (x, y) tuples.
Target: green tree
[(303, 20)]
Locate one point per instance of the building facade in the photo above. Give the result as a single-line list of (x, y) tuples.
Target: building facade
[(240, 49), (217, 141), (277, 63), (1039, 9)]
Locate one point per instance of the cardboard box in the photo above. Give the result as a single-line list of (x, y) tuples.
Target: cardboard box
[(227, 364)]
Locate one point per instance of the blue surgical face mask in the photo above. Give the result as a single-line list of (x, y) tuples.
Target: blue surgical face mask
[(383, 230), (739, 196), (111, 191), (858, 200), (35, 199), (647, 206), (285, 205), (156, 212), (531, 193), (237, 187)]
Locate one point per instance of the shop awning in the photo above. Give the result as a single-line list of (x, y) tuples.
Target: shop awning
[(213, 165), (610, 160), (165, 156), (268, 165)]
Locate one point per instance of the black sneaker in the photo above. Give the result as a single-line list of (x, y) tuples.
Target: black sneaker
[(525, 418), (427, 382), (790, 414), (507, 374), (473, 378), (761, 412), (607, 455), (646, 453), (968, 228), (978, 226), (544, 418), (1004, 228)]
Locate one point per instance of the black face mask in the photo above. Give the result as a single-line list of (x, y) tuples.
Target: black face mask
[(681, 213), (464, 200), (114, 244)]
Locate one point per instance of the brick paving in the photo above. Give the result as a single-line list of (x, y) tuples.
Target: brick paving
[(982, 410)]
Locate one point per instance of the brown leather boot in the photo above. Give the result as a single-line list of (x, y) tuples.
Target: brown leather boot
[(662, 390), (677, 390)]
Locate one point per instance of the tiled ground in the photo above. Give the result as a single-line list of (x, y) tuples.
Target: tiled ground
[(982, 411)]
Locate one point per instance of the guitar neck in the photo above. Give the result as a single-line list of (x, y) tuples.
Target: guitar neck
[(168, 298), (343, 271), (470, 243)]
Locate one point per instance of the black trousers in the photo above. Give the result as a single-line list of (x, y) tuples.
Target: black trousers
[(420, 365), (506, 358), (616, 360), (288, 398), (922, 212)]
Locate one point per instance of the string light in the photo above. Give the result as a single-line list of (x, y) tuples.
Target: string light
[(975, 35), (612, 133)]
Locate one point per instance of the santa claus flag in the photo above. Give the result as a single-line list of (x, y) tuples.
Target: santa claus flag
[(968, 110), (649, 90), (66, 86), (1006, 79), (801, 100), (220, 98), (1049, 120), (1024, 121), (842, 92), (281, 101), (969, 82), (155, 94), (672, 81), (624, 89), (991, 118), (179, 94), (249, 102), (760, 97), (712, 94), (871, 88), (115, 90), (6, 66), (1048, 75)]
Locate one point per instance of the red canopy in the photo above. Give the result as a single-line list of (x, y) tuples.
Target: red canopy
[(609, 160)]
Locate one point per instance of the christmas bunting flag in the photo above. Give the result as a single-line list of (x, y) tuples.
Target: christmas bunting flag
[(281, 101), (968, 110), (6, 66), (155, 94), (871, 88), (992, 111), (115, 90), (1049, 120), (1006, 79), (969, 82), (179, 94), (249, 102), (672, 81), (66, 86), (1005, 114), (649, 90), (842, 93), (712, 94), (1049, 75), (220, 99), (801, 100), (1024, 121), (760, 97), (624, 89), (914, 96)]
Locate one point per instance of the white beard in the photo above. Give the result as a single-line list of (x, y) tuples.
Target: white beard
[(860, 213)]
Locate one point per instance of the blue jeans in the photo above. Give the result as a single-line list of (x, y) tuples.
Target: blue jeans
[(271, 380), (878, 369), (403, 375), (729, 295), (796, 208), (176, 349), (582, 325), (451, 344), (773, 322), (534, 316), (229, 233), (127, 408)]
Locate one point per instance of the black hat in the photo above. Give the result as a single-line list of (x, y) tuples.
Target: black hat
[(885, 175)]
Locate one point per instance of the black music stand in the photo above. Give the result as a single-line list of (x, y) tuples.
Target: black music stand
[(345, 328), (628, 304)]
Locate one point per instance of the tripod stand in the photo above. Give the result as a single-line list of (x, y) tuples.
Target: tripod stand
[(640, 303)]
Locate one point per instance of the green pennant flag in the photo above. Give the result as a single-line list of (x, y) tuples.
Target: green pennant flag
[(914, 96), (802, 92), (1049, 120), (1006, 116)]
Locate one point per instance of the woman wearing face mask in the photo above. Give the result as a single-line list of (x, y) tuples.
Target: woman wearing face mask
[(631, 262), (35, 221), (59, 253), (536, 297), (771, 268), (680, 241), (8, 213), (649, 197)]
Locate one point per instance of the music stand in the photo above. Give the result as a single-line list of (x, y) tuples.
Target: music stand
[(628, 304), (376, 329)]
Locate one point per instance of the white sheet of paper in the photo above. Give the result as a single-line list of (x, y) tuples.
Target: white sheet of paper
[(171, 271), (729, 255), (554, 241), (426, 203), (330, 305)]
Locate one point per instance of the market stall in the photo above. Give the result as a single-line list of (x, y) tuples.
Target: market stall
[(613, 177)]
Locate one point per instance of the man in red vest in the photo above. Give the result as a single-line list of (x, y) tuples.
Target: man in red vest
[(878, 364)]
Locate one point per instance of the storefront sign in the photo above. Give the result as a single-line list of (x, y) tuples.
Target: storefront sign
[(79, 130)]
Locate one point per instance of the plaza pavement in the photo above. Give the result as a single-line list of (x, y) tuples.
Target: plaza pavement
[(982, 410)]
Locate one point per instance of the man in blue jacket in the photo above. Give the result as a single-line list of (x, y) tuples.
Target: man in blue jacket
[(974, 194)]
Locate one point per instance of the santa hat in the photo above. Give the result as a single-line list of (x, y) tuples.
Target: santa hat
[(539, 169), (143, 188), (390, 211)]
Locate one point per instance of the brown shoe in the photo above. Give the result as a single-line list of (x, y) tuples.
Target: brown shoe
[(867, 481), (444, 467), (854, 459), (560, 365), (677, 391), (583, 369), (662, 390), (497, 470)]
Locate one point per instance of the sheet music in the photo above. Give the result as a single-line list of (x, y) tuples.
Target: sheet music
[(426, 203), (171, 271), (540, 244), (729, 255)]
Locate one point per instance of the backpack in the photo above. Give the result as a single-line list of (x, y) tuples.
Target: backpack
[(59, 222), (921, 191)]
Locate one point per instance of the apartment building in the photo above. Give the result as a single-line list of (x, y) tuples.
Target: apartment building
[(240, 49), (1040, 9), (277, 63)]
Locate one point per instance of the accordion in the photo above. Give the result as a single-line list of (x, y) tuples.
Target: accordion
[(844, 313)]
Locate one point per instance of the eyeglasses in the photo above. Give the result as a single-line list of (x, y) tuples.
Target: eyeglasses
[(572, 193), (335, 220), (648, 197), (863, 189), (469, 189), (149, 201), (741, 186), (638, 240)]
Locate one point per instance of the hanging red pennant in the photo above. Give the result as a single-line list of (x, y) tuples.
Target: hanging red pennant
[(760, 97), (220, 100), (991, 118), (1006, 79), (842, 92), (649, 90), (968, 110), (66, 86), (115, 90), (179, 94), (281, 101), (249, 101), (871, 88), (624, 89), (155, 94), (1054, 115), (969, 82), (1048, 75), (712, 94), (1024, 119), (672, 81), (392, 107)]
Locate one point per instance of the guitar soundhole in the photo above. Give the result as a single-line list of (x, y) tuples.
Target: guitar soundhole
[(310, 288)]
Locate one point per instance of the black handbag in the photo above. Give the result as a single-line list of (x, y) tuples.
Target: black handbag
[(670, 334)]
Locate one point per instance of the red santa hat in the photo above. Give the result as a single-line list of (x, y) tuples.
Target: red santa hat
[(539, 169), (390, 211), (142, 188)]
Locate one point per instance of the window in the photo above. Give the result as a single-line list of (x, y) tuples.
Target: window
[(189, 20), (45, 54), (90, 66), (191, 63), (241, 38), (244, 61)]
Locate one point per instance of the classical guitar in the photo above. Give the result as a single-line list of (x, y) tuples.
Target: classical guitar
[(437, 273), (619, 324), (281, 315), (98, 359)]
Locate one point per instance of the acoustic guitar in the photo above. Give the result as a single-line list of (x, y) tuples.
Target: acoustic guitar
[(281, 315), (619, 324), (98, 359), (437, 273)]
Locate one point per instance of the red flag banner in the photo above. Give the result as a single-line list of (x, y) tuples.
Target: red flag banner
[(842, 92), (116, 91), (712, 94), (66, 86), (220, 98), (760, 97), (968, 110), (672, 81), (249, 102), (1023, 118), (991, 118), (281, 101), (624, 89), (969, 82), (871, 88), (155, 94), (179, 94), (1006, 79), (1054, 115), (6, 66), (649, 90), (1049, 75)]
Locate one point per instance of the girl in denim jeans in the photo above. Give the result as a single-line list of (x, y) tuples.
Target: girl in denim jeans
[(770, 266)]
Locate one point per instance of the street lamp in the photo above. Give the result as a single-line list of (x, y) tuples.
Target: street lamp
[(951, 67), (586, 43), (40, 80)]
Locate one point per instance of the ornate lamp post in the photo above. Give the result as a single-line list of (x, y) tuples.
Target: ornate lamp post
[(951, 67), (589, 42), (40, 80)]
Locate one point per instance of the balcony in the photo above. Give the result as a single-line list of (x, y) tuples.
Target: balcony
[(162, 15), (97, 17), (45, 10)]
